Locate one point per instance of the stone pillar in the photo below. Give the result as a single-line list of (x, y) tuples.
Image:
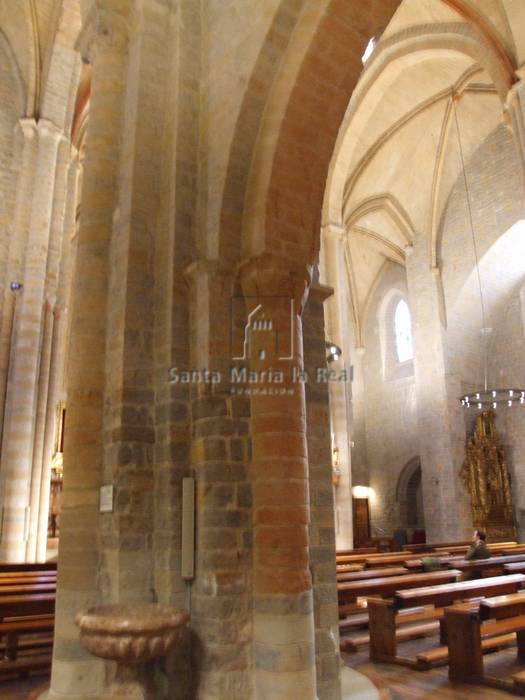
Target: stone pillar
[(26, 146), (515, 446), (58, 350), (321, 529), (340, 330), (40, 471), (25, 354), (220, 594), (104, 41), (283, 625), (440, 420)]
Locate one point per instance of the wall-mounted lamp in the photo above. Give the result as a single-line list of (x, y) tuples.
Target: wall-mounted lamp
[(334, 352), (336, 469), (361, 491)]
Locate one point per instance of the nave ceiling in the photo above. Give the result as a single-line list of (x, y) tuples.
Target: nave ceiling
[(397, 158)]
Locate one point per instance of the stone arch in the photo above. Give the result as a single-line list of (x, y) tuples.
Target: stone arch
[(7, 50), (299, 129), (58, 86), (391, 207), (408, 46), (393, 248), (280, 37), (12, 107), (409, 495)]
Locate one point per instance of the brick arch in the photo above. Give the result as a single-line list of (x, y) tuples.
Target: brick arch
[(248, 121), (281, 197), (291, 219)]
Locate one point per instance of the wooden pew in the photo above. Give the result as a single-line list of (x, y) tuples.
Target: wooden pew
[(443, 595), (15, 580), (487, 567), (517, 549), (494, 564), (348, 568), (396, 559), (431, 546), (493, 547), (28, 574), (357, 552), (514, 568), (370, 573), (387, 585), (494, 623), (27, 589), (27, 599), (382, 614), (376, 559), (40, 566)]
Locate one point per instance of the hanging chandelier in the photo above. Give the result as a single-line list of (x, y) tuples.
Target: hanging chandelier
[(485, 398)]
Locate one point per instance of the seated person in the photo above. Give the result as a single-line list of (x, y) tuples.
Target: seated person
[(478, 550)]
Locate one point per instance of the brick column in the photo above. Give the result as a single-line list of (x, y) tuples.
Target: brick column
[(283, 625), (321, 529), (25, 354), (440, 419), (76, 675)]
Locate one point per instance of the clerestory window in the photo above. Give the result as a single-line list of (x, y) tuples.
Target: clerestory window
[(403, 332)]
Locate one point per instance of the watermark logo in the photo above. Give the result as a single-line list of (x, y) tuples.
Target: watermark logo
[(262, 328), (264, 360)]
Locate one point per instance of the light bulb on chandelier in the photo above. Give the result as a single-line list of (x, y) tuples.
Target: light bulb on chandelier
[(485, 398)]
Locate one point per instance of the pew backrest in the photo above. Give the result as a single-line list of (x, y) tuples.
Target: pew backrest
[(17, 605), (491, 562), (447, 594), (22, 566), (502, 607), (371, 573), (387, 586)]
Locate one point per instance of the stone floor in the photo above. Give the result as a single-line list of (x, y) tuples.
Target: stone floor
[(400, 683)]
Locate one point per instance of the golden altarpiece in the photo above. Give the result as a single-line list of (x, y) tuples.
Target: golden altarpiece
[(487, 480)]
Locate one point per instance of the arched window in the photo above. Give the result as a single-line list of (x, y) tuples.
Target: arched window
[(403, 332)]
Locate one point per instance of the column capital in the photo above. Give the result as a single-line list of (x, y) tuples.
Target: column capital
[(48, 130), (513, 95), (108, 22), (205, 267), (320, 292), (332, 231), (28, 127), (265, 275)]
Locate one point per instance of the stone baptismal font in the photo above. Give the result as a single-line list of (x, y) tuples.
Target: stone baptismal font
[(131, 635)]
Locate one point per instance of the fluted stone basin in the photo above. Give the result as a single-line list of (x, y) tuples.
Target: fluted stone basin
[(131, 635)]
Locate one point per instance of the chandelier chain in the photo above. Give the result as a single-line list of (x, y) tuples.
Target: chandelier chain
[(474, 245)]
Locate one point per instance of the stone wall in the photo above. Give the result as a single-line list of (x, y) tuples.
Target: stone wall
[(391, 413), (496, 194)]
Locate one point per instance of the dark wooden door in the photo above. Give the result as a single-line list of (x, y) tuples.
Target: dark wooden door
[(361, 522)]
